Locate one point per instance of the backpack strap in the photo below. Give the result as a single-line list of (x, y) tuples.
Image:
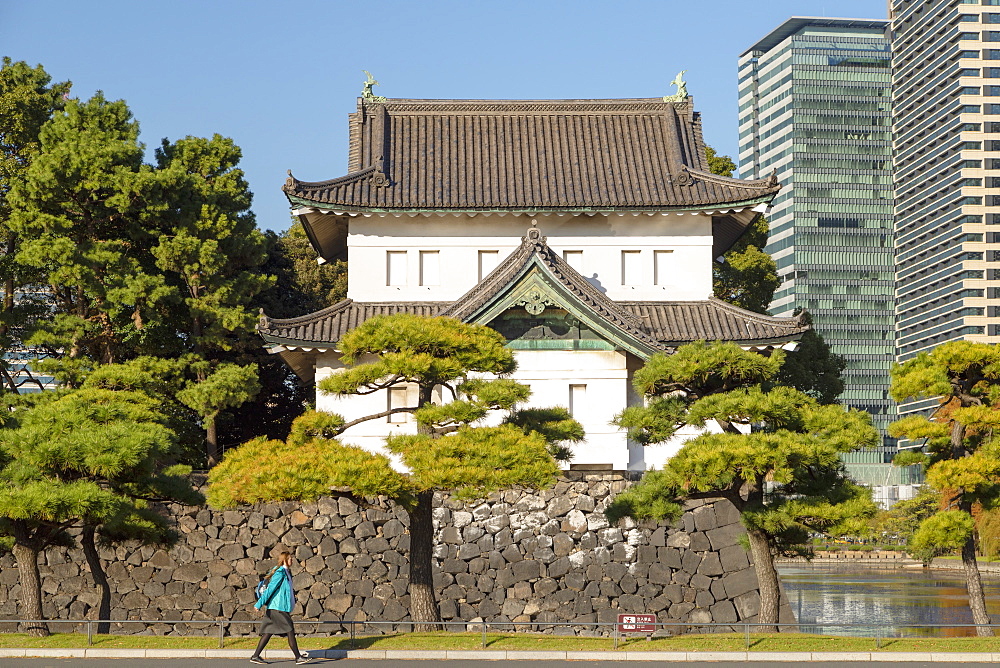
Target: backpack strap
[(269, 576)]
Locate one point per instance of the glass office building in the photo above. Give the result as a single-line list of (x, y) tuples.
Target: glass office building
[(814, 105), (946, 96)]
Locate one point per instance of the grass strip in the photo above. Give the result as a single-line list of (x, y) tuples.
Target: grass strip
[(716, 642)]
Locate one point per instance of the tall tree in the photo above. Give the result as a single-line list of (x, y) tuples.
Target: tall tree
[(27, 101), (448, 453), (79, 210), (211, 246), (92, 459), (746, 276), (209, 242), (962, 455), (813, 368), (779, 437), (302, 286)]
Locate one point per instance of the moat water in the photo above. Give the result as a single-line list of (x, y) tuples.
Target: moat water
[(894, 599)]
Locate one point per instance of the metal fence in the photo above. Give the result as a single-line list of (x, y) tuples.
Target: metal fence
[(877, 632)]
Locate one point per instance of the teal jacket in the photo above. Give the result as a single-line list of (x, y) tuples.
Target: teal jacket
[(279, 594)]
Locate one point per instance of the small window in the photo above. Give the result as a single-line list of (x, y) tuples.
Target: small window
[(488, 260), (395, 267), (631, 269), (661, 267), (577, 400), (398, 399), (574, 258), (430, 268)]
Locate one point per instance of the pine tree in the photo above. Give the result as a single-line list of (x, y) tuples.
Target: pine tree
[(961, 454), (745, 276), (776, 458), (27, 101), (448, 452), (92, 459), (80, 210)]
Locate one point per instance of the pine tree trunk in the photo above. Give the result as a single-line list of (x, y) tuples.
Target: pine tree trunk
[(212, 440), (974, 584), (100, 578), (767, 580), (423, 604), (31, 589)]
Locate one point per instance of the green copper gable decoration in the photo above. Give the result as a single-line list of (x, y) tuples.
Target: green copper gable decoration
[(539, 302), (367, 93)]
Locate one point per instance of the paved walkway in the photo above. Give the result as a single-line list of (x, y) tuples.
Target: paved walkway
[(494, 655)]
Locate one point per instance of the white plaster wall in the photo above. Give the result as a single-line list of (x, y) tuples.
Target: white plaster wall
[(601, 239), (607, 375)]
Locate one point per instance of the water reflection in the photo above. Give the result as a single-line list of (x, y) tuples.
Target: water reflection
[(892, 598)]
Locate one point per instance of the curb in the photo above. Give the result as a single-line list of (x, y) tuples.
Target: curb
[(503, 655)]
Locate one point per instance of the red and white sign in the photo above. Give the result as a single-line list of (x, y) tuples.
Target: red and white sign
[(636, 623)]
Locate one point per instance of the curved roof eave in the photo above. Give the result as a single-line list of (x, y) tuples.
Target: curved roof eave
[(719, 206)]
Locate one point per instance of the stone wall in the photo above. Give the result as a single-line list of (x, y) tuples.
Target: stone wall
[(541, 557)]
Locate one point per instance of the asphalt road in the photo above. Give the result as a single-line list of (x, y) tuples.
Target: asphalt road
[(455, 663)]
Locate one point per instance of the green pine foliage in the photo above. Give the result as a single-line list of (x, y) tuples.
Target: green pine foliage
[(93, 459), (962, 456), (746, 276), (776, 458), (464, 365), (27, 100), (303, 285)]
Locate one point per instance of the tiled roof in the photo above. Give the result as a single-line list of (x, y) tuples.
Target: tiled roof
[(324, 328), (648, 325), (534, 251), (523, 155), (675, 323), (668, 323)]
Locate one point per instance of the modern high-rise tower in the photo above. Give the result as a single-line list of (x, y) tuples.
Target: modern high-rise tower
[(946, 100), (814, 104)]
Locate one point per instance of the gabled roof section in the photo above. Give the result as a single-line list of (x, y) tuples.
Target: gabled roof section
[(569, 290), (323, 329), (535, 272), (526, 155), (676, 323)]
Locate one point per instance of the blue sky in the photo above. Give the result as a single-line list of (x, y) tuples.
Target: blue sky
[(281, 77)]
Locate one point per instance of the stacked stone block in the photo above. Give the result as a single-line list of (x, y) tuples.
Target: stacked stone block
[(540, 557)]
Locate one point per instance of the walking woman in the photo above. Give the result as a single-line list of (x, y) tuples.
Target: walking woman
[(279, 599)]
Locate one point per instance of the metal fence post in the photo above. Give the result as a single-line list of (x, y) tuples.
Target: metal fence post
[(746, 628), (90, 633), (484, 634), (878, 637), (222, 634), (352, 635), (616, 636)]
